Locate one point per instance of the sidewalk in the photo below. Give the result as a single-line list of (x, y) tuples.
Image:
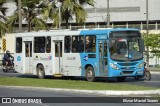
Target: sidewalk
[(99, 92), (155, 72)]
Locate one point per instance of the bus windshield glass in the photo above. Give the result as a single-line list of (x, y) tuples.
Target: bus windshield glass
[(124, 48)]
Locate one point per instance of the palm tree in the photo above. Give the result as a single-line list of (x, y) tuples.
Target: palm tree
[(69, 8), (3, 19), (31, 11), (11, 21), (3, 10)]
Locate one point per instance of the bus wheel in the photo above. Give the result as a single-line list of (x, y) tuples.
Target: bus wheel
[(40, 72), (121, 79), (90, 76)]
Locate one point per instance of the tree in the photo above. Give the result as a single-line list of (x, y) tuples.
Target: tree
[(3, 10), (31, 11), (11, 21), (3, 19), (69, 9), (152, 41)]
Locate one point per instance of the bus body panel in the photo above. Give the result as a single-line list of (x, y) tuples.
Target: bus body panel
[(18, 63), (43, 59), (72, 64), (125, 70), (89, 59), (75, 64)]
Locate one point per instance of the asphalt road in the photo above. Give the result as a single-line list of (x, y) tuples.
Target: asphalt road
[(154, 82), (13, 92), (18, 92)]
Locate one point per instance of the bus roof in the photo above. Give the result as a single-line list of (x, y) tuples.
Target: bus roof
[(99, 31)]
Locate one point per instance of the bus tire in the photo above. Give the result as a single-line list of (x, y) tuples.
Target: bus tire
[(147, 75), (90, 75), (40, 72)]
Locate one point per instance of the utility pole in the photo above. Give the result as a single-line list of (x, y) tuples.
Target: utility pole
[(59, 15), (147, 31), (108, 15), (20, 15), (58, 4)]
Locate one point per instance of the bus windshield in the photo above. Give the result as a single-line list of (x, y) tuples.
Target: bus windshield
[(123, 49)]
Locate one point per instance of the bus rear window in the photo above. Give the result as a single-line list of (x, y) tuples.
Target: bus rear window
[(19, 45)]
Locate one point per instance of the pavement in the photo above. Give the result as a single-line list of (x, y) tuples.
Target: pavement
[(99, 92)]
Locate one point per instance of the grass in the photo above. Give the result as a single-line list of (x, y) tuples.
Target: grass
[(68, 84)]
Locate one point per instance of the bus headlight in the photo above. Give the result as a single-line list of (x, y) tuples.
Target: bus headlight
[(114, 66), (140, 66)]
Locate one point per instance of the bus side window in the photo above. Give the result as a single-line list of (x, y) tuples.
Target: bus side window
[(39, 44), (57, 46), (48, 44), (90, 44), (105, 49), (19, 45), (80, 45), (74, 43), (77, 44), (67, 44)]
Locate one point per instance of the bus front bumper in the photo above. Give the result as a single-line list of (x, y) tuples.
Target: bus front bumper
[(126, 73)]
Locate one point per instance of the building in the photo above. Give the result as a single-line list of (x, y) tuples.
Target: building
[(122, 13), (125, 13)]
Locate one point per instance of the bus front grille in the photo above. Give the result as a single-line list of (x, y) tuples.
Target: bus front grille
[(127, 64), (127, 72)]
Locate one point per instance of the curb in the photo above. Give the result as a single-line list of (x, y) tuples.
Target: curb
[(100, 92)]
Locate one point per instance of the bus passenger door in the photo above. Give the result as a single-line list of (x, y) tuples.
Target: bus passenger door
[(103, 60), (58, 57), (28, 57)]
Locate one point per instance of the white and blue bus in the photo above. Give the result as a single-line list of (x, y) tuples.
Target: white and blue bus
[(90, 53)]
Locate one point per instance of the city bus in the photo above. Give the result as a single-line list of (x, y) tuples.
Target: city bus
[(89, 53)]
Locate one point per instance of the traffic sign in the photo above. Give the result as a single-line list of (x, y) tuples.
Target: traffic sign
[(4, 44)]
